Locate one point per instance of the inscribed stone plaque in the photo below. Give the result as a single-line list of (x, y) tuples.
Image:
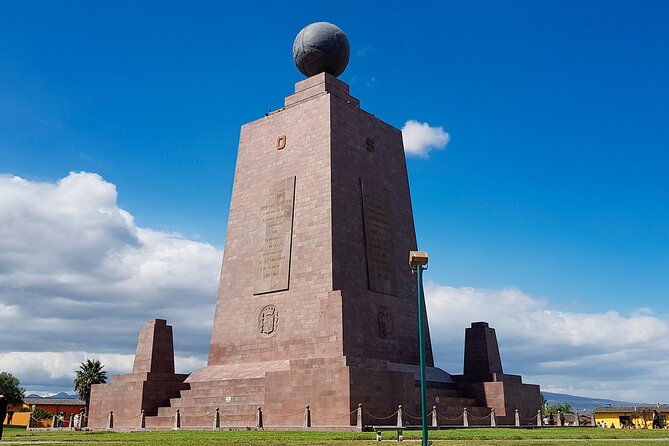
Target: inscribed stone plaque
[(381, 274), (275, 238)]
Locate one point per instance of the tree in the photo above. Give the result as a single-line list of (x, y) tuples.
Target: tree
[(559, 407), (11, 388), (89, 373)]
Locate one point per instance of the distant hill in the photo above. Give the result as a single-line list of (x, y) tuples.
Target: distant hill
[(58, 395), (583, 402)]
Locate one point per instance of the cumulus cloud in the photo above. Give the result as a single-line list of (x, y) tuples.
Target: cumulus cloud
[(78, 278), (420, 138), (78, 275), (607, 355)]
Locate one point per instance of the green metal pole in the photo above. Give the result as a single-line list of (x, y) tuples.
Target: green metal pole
[(421, 347)]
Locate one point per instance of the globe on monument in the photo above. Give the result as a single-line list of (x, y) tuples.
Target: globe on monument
[(320, 47)]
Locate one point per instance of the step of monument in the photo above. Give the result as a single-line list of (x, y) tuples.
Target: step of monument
[(458, 401), (229, 392), (225, 388), (229, 410), (447, 393), (255, 399), (226, 383)]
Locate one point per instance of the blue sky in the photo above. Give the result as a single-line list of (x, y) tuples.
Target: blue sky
[(554, 182)]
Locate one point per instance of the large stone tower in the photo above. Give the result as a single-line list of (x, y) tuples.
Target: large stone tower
[(316, 299)]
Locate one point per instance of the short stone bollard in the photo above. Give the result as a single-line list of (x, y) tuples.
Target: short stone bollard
[(493, 421), (435, 422), (307, 417), (517, 418), (110, 420), (465, 418), (142, 420), (53, 421), (259, 422), (576, 422), (358, 419), (177, 420), (399, 415), (539, 423), (217, 419)]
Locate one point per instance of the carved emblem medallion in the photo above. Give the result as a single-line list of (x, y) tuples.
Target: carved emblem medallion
[(385, 322), (371, 145), (268, 320)]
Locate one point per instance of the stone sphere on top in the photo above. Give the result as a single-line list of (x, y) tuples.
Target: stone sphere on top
[(320, 47)]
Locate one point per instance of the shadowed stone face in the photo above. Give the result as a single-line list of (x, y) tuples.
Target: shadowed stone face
[(321, 47)]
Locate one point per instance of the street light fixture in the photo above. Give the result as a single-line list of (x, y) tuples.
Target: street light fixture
[(418, 262)]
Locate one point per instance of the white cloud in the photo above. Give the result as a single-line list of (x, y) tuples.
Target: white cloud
[(78, 279), (77, 275), (420, 138), (606, 355)]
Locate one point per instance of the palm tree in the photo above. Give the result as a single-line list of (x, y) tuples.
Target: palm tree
[(89, 373)]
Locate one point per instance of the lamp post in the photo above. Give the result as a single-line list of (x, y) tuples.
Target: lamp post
[(418, 262)]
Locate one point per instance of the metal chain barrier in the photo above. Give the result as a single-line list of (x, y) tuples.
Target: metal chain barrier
[(412, 416), (236, 418), (117, 419), (485, 417), (264, 414), (442, 417), (334, 418), (381, 418), (532, 418)]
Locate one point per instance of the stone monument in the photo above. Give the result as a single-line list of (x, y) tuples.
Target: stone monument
[(316, 303)]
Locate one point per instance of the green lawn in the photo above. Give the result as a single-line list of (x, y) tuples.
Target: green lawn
[(453, 437)]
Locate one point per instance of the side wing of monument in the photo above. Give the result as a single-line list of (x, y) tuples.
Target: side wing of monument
[(149, 386)]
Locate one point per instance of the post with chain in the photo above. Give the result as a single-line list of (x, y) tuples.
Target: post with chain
[(259, 422), (110, 420), (307, 417), (358, 420), (142, 420), (517, 417), (217, 419), (465, 418), (493, 421), (435, 422), (539, 418), (177, 420), (399, 416)]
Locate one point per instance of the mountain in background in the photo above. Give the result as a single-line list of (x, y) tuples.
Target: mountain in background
[(58, 395), (582, 403)]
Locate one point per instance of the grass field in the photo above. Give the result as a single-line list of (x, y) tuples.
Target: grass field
[(454, 437)]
